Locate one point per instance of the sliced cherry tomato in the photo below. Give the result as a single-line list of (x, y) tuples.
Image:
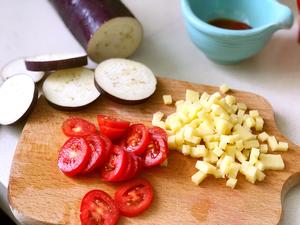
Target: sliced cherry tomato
[(129, 168), (112, 133), (77, 127), (115, 167), (137, 166), (158, 131), (73, 156), (108, 145), (108, 121), (97, 207), (137, 139), (98, 155), (156, 152), (134, 197)]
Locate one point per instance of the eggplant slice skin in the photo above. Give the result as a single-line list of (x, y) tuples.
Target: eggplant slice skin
[(52, 62), (70, 89), (125, 81), (18, 66), (18, 97), (105, 28)]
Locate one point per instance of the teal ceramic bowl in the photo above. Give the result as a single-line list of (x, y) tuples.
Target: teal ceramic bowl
[(231, 46)]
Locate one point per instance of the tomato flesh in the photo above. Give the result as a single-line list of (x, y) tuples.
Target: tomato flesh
[(73, 156), (134, 197), (98, 153), (97, 207), (108, 145), (108, 121), (112, 133), (77, 127), (115, 166), (158, 131), (156, 152), (136, 139)]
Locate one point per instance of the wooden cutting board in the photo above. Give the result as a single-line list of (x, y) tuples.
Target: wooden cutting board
[(40, 194)]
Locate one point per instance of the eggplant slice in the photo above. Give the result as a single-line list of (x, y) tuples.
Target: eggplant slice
[(70, 89), (55, 61), (18, 96), (18, 67), (125, 81)]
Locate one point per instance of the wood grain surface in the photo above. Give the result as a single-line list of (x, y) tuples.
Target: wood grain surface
[(40, 194)]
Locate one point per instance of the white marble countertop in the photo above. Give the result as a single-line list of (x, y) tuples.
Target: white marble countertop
[(32, 27)]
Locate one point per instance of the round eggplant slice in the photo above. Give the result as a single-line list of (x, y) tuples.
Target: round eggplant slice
[(18, 96), (55, 62), (70, 89), (125, 81), (18, 67)]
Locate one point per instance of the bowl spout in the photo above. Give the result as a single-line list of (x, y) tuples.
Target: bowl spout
[(283, 17)]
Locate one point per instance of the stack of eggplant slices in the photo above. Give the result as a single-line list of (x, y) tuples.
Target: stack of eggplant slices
[(67, 84)]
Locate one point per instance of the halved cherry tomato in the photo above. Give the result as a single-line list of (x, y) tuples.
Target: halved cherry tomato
[(112, 133), (156, 152), (109, 121), (137, 139), (158, 131), (77, 127), (137, 166), (115, 167), (108, 145), (129, 168), (134, 197), (98, 155), (97, 207), (73, 156)]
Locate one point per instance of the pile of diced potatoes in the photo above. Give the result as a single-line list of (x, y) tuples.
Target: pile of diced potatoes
[(223, 134)]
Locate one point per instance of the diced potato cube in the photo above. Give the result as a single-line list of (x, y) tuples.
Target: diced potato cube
[(186, 150), (226, 164), (244, 132), (179, 137), (272, 162), (231, 182), (188, 132), (263, 137), (234, 108), (193, 140), (234, 170), (157, 116), (167, 99), (272, 143), (259, 165), (246, 153), (249, 171), (223, 126), (211, 158), (230, 100), (160, 124), (192, 96), (259, 123), (172, 142), (231, 150), (263, 148), (206, 128), (198, 177), (253, 113), (211, 138), (183, 117), (240, 115), (254, 156), (174, 125), (195, 123), (205, 167), (214, 98), (242, 106), (219, 152), (239, 145), (251, 144), (234, 119), (249, 122), (282, 146), (260, 175), (218, 174), (178, 103), (224, 88), (164, 163), (204, 97), (212, 145), (199, 151), (240, 156)]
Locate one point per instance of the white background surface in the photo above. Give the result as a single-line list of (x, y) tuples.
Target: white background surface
[(32, 27)]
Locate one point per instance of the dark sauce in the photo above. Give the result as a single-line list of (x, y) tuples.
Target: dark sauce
[(229, 24)]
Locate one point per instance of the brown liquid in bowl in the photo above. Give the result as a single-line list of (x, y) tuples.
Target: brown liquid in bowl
[(229, 24)]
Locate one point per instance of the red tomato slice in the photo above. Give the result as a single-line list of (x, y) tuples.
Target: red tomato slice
[(97, 207), (158, 131), (77, 127), (136, 139), (108, 145), (137, 166), (108, 121), (73, 156), (134, 197), (98, 156), (112, 133), (129, 168), (156, 152), (115, 167)]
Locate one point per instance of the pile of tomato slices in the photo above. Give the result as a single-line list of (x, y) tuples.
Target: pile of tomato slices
[(119, 149), (131, 199)]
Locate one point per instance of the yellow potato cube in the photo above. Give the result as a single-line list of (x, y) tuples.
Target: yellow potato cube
[(192, 96), (240, 115), (242, 106), (224, 88), (246, 153), (260, 175), (206, 128), (178, 103), (231, 150), (259, 165), (205, 167), (211, 138), (251, 144), (184, 118), (164, 163), (234, 170), (263, 148), (253, 113), (249, 171), (198, 177), (231, 182), (219, 152), (234, 119), (226, 164), (223, 126), (259, 123), (214, 98), (186, 150), (199, 151), (193, 140), (263, 137), (172, 142), (212, 145), (204, 98), (254, 154), (188, 132), (249, 122), (239, 145), (157, 116), (272, 143), (240, 156), (211, 158), (160, 124), (272, 162), (282, 146), (230, 100), (167, 99), (179, 138), (244, 132)]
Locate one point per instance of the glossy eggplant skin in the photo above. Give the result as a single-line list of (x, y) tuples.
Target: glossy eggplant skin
[(85, 17)]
